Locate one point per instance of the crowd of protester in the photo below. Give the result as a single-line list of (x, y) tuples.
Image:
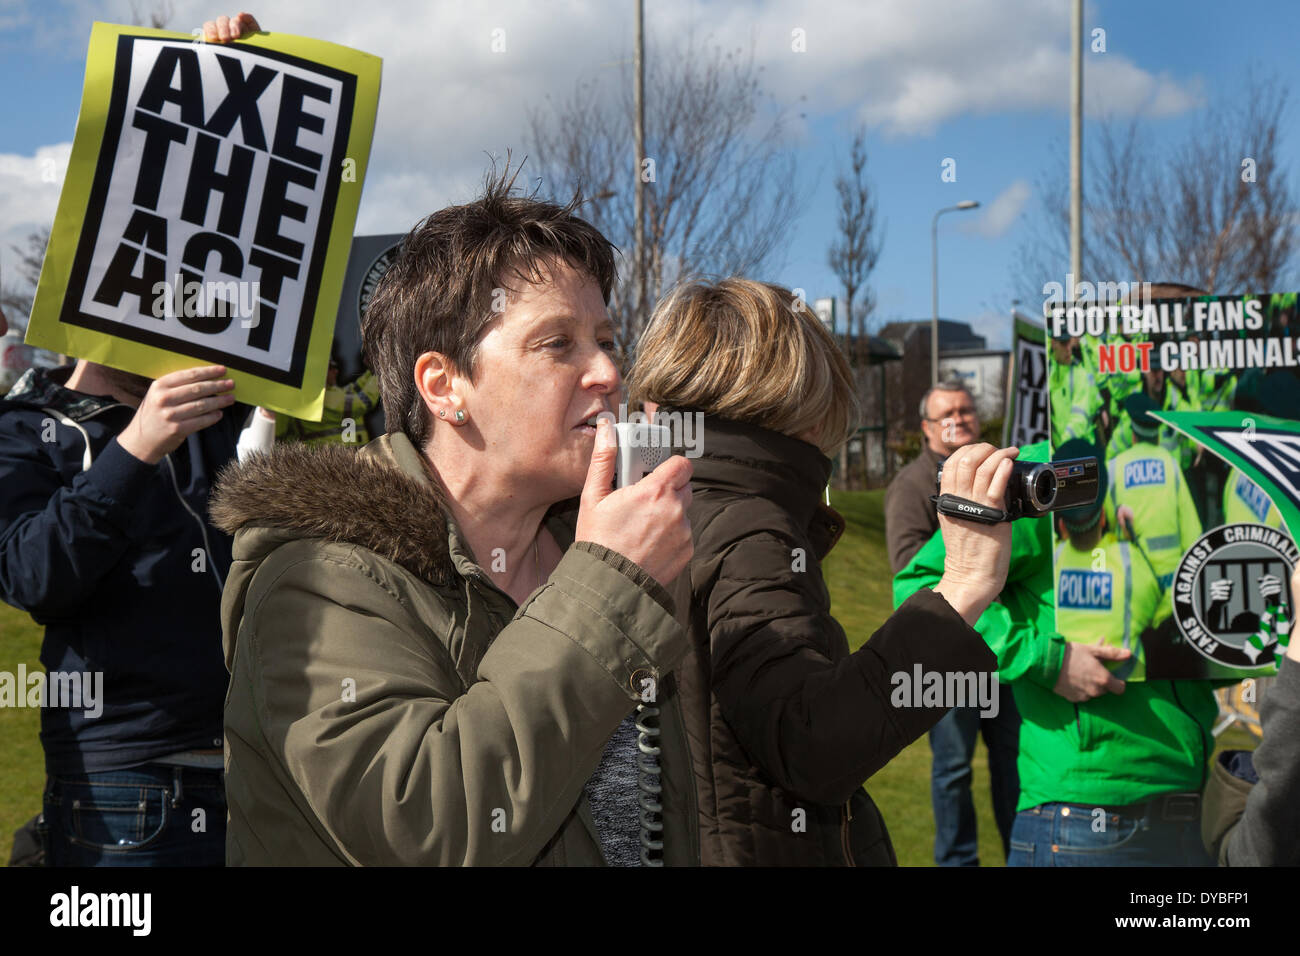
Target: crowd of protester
[(458, 643)]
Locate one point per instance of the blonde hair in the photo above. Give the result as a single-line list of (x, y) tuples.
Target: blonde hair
[(751, 352)]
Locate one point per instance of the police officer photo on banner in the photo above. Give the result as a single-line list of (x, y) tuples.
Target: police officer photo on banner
[(1186, 559), (208, 210), (1231, 597)]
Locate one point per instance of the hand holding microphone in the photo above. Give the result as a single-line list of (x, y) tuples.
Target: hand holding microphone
[(645, 522)]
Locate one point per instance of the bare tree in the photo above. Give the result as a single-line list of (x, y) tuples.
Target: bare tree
[(17, 299), (1216, 211), (720, 179), (856, 250), (31, 258)]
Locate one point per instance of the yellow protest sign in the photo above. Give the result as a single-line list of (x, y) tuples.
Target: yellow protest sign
[(207, 213)]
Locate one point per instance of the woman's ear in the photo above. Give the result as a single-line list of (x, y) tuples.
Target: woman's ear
[(435, 381)]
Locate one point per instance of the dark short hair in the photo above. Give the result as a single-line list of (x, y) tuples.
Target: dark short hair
[(439, 292)]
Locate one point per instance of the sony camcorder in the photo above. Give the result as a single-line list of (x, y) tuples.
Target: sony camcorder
[(1035, 489)]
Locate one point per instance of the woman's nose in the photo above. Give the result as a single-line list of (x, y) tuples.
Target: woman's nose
[(603, 371)]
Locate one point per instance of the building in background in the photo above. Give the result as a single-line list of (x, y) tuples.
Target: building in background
[(983, 372), (963, 355)]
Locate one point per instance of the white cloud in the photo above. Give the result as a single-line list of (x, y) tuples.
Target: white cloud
[(909, 65), (448, 101), (29, 195), (1001, 214)]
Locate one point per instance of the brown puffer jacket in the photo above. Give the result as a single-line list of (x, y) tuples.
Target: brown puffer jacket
[(784, 724)]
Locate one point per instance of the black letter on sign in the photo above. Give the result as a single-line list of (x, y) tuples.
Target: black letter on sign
[(241, 102), (148, 230), (158, 139), (188, 96), (205, 180), (269, 284), (276, 206), (197, 250), (1038, 411), (293, 118), (119, 280)]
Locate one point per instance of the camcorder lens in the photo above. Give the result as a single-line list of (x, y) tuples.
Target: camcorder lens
[(1044, 489)]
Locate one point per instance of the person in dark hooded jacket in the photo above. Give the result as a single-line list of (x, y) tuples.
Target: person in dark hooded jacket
[(1250, 816), (105, 540), (784, 723)]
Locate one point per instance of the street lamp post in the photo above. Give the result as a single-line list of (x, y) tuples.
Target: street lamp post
[(638, 97), (934, 284)]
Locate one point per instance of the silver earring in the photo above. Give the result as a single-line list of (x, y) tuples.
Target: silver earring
[(442, 414), (460, 416)]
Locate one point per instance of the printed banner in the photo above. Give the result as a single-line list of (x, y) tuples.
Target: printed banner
[(1193, 405), (1265, 450), (351, 411), (1026, 419), (208, 209), (369, 260)]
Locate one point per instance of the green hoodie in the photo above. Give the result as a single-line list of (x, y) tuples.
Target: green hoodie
[(1112, 750)]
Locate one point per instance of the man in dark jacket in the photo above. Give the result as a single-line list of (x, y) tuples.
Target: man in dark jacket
[(104, 539), (948, 421)]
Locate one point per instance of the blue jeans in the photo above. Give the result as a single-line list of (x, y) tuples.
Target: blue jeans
[(1067, 834), (952, 742), (150, 815)]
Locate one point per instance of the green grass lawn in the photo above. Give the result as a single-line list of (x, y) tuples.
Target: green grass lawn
[(22, 767), (858, 576), (861, 585)]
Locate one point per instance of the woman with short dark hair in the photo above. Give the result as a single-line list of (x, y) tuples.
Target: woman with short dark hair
[(431, 641)]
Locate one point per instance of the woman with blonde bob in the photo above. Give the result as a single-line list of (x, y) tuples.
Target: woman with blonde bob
[(784, 723)]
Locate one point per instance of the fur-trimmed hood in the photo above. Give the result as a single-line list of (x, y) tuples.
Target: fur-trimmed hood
[(379, 498)]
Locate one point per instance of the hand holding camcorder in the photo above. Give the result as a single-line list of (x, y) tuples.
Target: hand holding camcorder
[(1035, 489)]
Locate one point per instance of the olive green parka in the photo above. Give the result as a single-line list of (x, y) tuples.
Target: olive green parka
[(389, 705)]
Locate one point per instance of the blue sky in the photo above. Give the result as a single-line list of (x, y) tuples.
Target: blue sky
[(985, 82)]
